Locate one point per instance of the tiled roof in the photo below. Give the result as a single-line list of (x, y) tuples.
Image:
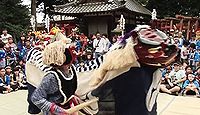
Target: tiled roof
[(131, 5)]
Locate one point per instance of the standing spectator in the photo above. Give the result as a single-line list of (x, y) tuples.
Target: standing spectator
[(181, 39), (191, 85), (198, 43), (98, 45), (107, 43), (5, 36), (197, 57), (191, 53), (184, 52), (89, 43), (2, 55)]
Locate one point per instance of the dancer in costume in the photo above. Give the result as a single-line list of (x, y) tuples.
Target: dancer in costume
[(50, 63), (58, 84)]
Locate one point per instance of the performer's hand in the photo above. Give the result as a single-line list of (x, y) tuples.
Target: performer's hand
[(171, 84), (175, 82)]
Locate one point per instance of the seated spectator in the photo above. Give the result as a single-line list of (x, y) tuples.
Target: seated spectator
[(2, 55), (164, 86), (21, 66), (89, 56), (175, 80), (10, 56), (4, 82), (19, 78), (188, 70), (21, 42), (191, 86), (13, 83), (5, 36), (11, 44), (197, 74)]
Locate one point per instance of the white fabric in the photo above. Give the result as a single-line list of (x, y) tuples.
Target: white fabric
[(34, 75), (99, 45), (184, 52), (152, 96), (5, 38)]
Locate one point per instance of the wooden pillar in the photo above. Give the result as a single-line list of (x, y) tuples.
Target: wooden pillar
[(33, 13), (181, 25), (196, 25), (171, 24), (188, 30)]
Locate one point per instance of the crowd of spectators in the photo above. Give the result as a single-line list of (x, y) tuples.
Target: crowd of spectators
[(183, 76), (12, 62)]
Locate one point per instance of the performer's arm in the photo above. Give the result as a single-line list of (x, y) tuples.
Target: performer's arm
[(48, 85)]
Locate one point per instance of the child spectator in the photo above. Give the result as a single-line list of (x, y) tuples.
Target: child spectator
[(191, 86), (184, 52), (21, 66), (4, 82), (23, 53), (20, 78), (11, 44), (10, 56), (197, 57), (165, 81), (191, 53), (197, 74), (21, 42), (2, 55), (5, 36), (176, 78), (188, 70), (13, 83)]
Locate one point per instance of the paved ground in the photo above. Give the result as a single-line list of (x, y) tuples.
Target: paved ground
[(15, 104)]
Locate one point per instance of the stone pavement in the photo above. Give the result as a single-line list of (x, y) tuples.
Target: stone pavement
[(15, 104)]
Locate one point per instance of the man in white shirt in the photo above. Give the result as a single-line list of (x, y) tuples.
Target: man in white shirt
[(107, 43), (5, 36), (99, 45)]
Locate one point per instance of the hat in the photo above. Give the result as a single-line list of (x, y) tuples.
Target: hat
[(177, 64), (171, 30), (7, 67)]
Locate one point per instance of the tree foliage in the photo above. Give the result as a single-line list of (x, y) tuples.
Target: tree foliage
[(166, 8), (14, 16)]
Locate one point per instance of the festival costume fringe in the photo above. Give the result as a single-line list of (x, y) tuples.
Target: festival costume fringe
[(116, 60), (54, 53)]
